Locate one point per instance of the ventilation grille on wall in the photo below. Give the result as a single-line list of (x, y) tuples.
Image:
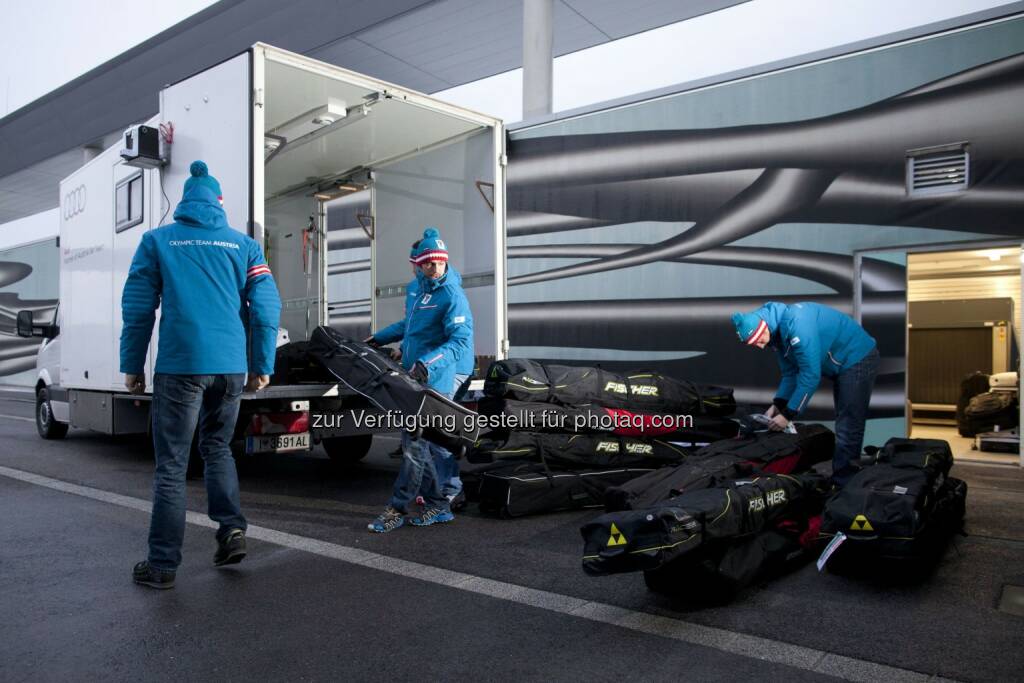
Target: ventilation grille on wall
[(937, 170)]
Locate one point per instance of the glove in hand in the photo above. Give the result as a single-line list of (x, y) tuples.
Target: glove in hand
[(419, 372)]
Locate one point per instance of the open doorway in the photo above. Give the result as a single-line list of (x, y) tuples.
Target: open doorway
[(964, 323)]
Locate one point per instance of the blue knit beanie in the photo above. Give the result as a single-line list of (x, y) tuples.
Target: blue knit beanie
[(201, 186), (430, 248), (748, 326)]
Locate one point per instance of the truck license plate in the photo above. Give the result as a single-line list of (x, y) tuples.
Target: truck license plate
[(277, 443)]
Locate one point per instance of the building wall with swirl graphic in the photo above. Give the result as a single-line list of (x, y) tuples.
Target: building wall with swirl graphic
[(635, 232), (29, 280)]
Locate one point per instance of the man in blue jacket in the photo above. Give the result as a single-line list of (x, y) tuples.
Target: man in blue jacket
[(219, 316), (812, 340), (436, 349), (446, 466)]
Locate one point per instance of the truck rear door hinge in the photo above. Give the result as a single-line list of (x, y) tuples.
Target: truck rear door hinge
[(257, 98)]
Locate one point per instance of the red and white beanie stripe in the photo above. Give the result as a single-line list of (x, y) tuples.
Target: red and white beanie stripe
[(756, 334), (257, 270), (430, 255)]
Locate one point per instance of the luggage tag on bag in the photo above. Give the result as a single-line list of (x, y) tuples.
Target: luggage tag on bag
[(832, 546)]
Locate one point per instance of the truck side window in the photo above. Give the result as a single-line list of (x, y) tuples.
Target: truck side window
[(128, 203)]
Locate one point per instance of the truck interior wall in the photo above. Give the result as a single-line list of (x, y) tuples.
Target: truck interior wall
[(439, 188), (295, 262), (324, 128), (348, 259), (658, 181)]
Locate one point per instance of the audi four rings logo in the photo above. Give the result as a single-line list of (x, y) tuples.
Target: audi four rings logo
[(74, 202)]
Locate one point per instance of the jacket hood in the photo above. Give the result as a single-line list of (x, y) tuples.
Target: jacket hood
[(200, 204), (201, 213), (772, 313)]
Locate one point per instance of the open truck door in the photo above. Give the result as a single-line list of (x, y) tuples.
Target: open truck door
[(405, 161), (289, 136)]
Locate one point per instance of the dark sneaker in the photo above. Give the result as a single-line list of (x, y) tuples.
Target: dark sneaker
[(457, 501), (389, 520), (433, 516), (145, 575), (230, 549)]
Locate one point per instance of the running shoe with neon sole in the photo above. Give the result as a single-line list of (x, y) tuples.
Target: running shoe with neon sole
[(389, 520), (433, 516)]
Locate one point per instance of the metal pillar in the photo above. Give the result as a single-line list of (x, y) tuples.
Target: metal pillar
[(538, 55)]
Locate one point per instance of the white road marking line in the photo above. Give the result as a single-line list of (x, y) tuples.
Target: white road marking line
[(18, 417), (755, 647)]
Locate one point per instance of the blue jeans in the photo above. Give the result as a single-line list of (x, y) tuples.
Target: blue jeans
[(852, 393), (180, 403), (444, 462), (439, 480), (417, 476)]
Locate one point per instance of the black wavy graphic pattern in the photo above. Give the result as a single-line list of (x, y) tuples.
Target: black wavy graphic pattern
[(729, 183), (18, 354)]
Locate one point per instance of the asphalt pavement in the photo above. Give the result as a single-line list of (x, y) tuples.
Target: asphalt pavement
[(319, 597)]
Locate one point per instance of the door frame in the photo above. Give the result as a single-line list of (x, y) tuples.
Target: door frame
[(969, 245), (858, 258)]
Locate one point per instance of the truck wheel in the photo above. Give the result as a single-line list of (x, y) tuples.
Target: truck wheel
[(348, 449), (47, 426)]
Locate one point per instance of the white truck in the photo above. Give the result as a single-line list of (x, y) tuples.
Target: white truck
[(285, 135)]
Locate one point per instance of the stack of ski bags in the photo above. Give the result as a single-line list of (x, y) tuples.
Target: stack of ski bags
[(731, 512), (566, 434), (901, 509)]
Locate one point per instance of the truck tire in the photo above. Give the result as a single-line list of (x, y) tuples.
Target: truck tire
[(47, 426), (348, 449)]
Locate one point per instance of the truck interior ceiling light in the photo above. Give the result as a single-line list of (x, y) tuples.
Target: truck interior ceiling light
[(316, 123), (311, 120)]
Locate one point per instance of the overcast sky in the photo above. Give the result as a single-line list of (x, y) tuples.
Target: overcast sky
[(49, 43), (46, 44)]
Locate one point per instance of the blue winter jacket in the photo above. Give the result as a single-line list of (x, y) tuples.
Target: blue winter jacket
[(437, 329), (212, 285), (811, 340)]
